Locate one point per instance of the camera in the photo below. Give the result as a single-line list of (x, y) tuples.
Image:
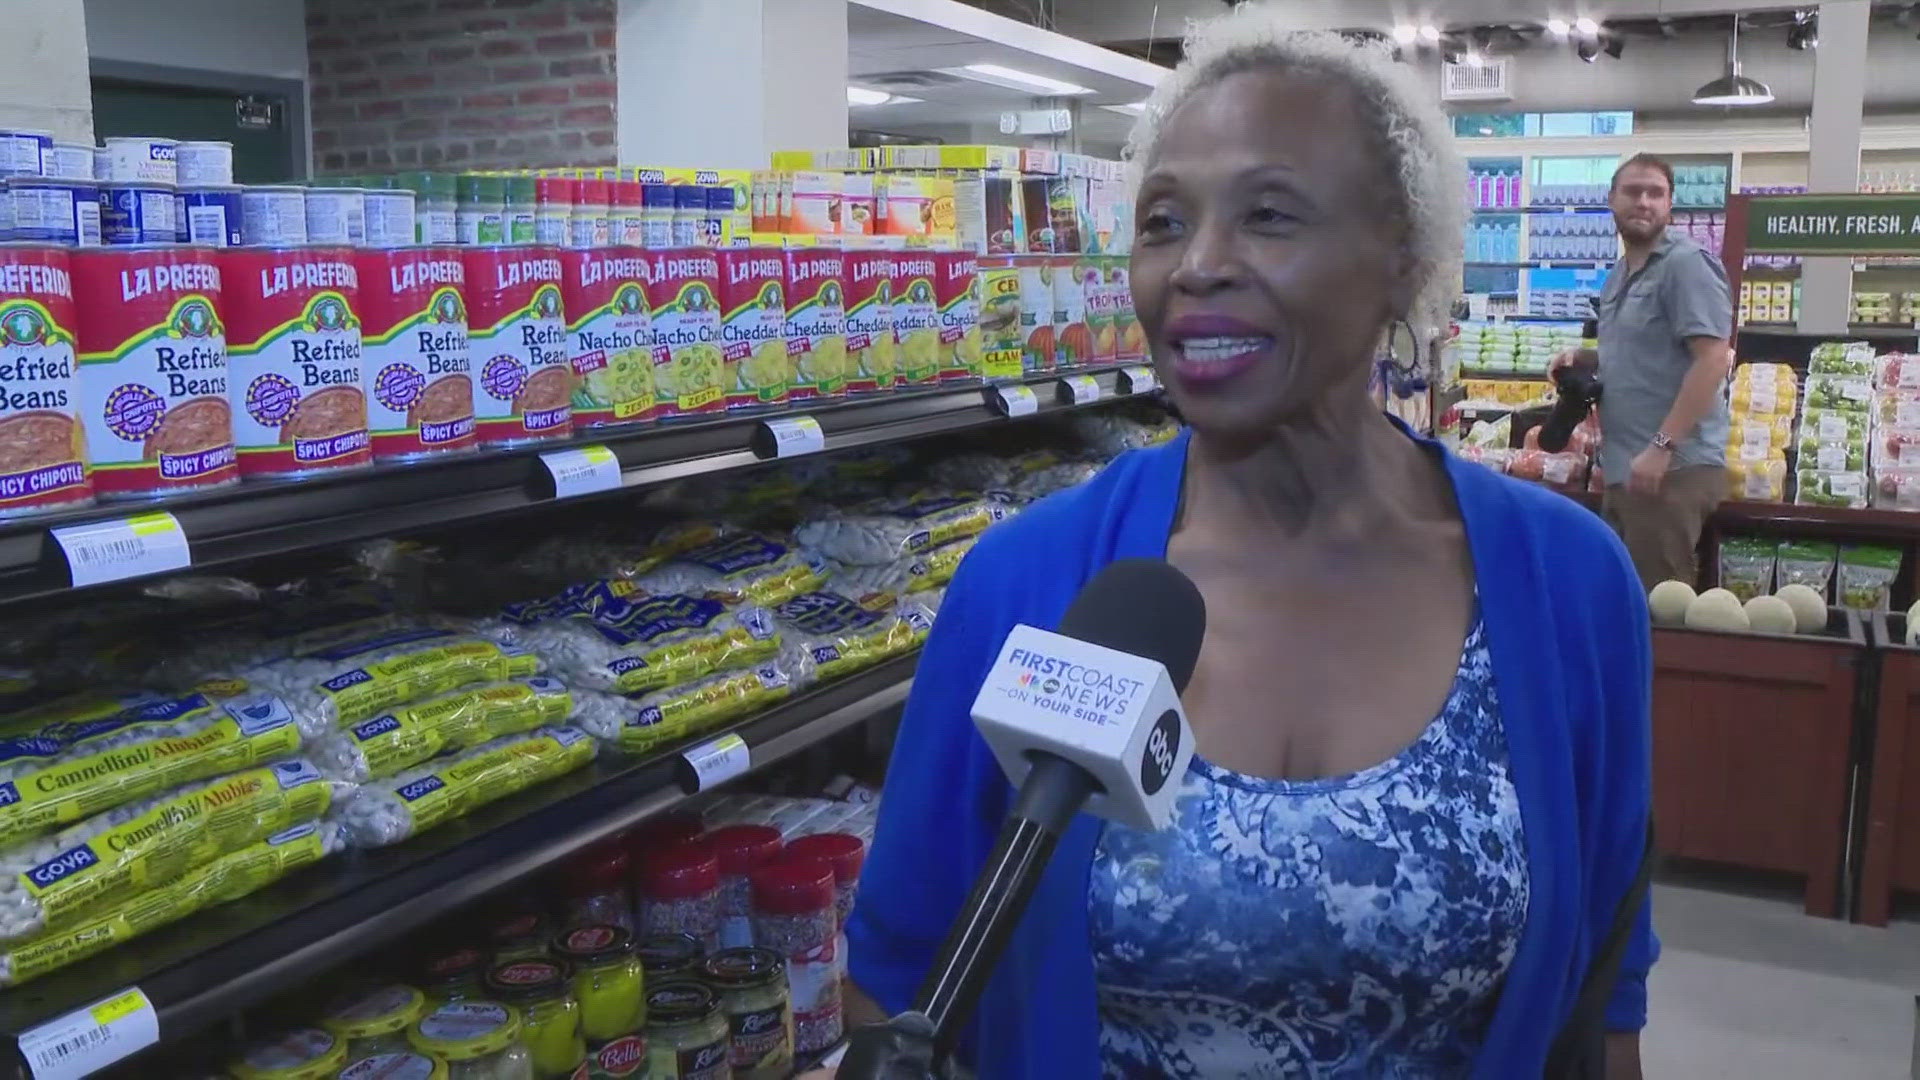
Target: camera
[(1579, 391)]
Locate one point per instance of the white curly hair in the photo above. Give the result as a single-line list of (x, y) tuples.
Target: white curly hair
[(1412, 136)]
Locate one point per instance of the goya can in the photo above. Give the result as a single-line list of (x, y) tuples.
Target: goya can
[(140, 212), (23, 151), (273, 214), (413, 332), (336, 215), (688, 364), (213, 215), (816, 323), (516, 321), (916, 317), (204, 164), (753, 326), (872, 357), (70, 161), (137, 159), (153, 374), (610, 335), (1002, 339), (43, 462), (1072, 344), (956, 292), (1038, 345), (294, 328), (390, 218), (55, 211)]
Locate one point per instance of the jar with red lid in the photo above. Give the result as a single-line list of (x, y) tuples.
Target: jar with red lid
[(794, 915), (596, 887), (680, 893), (519, 931), (740, 850), (452, 974), (662, 832), (844, 852)]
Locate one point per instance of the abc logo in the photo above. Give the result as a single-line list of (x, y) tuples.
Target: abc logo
[(1163, 746)]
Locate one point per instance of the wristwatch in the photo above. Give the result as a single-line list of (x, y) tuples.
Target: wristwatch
[(1663, 441)]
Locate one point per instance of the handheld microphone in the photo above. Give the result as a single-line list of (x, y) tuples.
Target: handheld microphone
[(1088, 716)]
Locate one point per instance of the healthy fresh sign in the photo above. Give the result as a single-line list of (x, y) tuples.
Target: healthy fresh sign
[(1834, 225)]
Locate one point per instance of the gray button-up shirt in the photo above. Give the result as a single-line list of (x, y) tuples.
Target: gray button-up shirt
[(1646, 320)]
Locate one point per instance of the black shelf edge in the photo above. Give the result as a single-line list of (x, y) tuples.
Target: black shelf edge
[(218, 962), (252, 521)]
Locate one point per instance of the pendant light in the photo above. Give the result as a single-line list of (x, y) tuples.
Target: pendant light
[(1733, 88)]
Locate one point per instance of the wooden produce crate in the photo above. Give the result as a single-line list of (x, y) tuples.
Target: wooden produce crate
[(1752, 737), (1890, 849)]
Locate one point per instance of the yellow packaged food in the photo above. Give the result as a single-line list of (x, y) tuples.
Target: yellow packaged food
[(640, 725), (388, 811), (358, 679), (413, 733), (1760, 480)]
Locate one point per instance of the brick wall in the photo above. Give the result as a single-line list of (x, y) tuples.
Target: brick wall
[(460, 84)]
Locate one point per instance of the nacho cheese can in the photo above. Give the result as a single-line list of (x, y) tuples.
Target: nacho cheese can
[(871, 354), (816, 323), (42, 451), (298, 407), (154, 381), (610, 334), (916, 318), (688, 365), (413, 333), (753, 326), (956, 293), (516, 321)]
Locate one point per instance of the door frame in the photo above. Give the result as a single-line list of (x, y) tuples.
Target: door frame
[(237, 83)]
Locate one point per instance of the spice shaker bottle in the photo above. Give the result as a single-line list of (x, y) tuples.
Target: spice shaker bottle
[(597, 887), (793, 915), (740, 850), (846, 853), (680, 893)]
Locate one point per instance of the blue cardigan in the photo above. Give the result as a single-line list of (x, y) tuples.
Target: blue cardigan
[(1566, 623)]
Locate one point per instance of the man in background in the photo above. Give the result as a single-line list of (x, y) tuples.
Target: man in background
[(1666, 314)]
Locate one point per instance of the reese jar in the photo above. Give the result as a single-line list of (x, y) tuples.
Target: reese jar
[(753, 995)]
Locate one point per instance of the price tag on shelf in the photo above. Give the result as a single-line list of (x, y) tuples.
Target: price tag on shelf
[(796, 435), (1084, 388), (718, 761), (1018, 400), (582, 470), (87, 1040), (1140, 380), (124, 548)]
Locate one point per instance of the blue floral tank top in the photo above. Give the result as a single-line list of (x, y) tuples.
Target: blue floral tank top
[(1351, 927)]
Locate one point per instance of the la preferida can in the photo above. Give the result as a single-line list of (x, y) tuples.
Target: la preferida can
[(43, 462), (516, 321), (414, 352), (916, 317), (294, 329), (611, 335), (1002, 339), (956, 292), (753, 326), (872, 356), (817, 322), (688, 365), (154, 380)]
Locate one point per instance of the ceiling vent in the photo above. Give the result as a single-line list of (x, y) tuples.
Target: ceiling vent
[(1489, 80)]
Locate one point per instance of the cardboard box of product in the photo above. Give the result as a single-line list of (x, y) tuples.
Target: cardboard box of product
[(814, 206), (1004, 158), (989, 216)]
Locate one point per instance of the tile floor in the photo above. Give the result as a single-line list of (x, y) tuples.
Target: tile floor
[(1749, 988)]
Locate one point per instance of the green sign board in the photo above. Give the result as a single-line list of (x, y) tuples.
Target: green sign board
[(1833, 225)]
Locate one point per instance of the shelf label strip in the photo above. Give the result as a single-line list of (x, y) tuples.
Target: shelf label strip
[(87, 1040), (582, 471), (1084, 388), (128, 547), (796, 435), (1140, 380), (718, 761), (1018, 400)]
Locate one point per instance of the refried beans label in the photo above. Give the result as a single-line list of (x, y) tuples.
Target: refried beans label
[(611, 331), (42, 454), (525, 382), (419, 381), (154, 380), (298, 405)]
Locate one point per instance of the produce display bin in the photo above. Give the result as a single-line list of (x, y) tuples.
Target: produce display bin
[(1752, 738), (1890, 852)]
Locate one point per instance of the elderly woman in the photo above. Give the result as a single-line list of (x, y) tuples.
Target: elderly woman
[(1418, 807)]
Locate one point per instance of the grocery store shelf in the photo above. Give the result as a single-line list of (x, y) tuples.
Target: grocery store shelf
[(1838, 521), (1543, 264), (220, 962), (1552, 210), (252, 521)]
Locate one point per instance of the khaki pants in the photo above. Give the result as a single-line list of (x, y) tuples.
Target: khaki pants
[(1662, 531)]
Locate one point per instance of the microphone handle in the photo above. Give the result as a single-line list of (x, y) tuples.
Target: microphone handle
[(1052, 794)]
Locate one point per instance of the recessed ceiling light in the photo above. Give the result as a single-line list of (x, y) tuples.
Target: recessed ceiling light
[(1430, 32), (1558, 27), (860, 95), (1405, 33), (1131, 108), (1586, 25), (1018, 80)]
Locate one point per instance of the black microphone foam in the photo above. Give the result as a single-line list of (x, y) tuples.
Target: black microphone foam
[(1144, 607)]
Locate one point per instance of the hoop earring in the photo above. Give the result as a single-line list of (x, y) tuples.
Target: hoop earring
[(1404, 378)]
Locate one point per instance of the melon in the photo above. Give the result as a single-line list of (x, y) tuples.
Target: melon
[(1771, 615), (1668, 602), (1809, 608), (1717, 609)]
